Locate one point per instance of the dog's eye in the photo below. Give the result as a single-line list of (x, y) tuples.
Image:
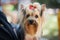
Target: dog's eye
[(27, 16), (36, 16)]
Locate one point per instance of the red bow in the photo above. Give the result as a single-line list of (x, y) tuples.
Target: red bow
[(32, 7)]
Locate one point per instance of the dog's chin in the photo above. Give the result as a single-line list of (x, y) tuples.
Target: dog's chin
[(31, 29)]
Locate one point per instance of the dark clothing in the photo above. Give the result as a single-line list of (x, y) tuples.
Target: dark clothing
[(7, 32)]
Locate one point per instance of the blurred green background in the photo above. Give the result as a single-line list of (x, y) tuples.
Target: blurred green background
[(50, 3), (50, 29)]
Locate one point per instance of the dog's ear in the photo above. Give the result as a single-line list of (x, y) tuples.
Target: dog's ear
[(43, 7), (24, 11)]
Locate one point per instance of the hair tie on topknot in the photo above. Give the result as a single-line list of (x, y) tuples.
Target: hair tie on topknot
[(32, 7)]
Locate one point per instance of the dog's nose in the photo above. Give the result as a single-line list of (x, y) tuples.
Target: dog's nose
[(31, 21)]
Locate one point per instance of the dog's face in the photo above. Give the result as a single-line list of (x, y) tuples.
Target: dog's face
[(31, 22), (32, 19)]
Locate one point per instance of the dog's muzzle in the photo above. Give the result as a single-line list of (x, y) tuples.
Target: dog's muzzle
[(31, 27)]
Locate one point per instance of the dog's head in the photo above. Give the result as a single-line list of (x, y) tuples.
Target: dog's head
[(32, 18)]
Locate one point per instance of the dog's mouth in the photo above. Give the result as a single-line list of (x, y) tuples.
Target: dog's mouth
[(31, 27)]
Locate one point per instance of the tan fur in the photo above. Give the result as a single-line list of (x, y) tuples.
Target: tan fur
[(35, 29)]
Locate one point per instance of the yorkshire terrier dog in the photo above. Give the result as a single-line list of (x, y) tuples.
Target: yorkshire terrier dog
[(32, 21)]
